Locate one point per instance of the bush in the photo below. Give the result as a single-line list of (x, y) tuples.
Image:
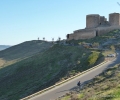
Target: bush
[(112, 47), (93, 58)]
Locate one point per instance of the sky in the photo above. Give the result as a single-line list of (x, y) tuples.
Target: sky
[(26, 20)]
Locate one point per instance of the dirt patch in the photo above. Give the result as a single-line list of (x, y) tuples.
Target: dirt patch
[(2, 62)]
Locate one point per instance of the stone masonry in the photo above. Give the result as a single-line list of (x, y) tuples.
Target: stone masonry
[(92, 21), (114, 18), (96, 25)]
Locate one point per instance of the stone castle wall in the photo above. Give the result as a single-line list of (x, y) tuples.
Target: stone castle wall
[(105, 30), (114, 19), (102, 20), (70, 36), (96, 25), (90, 33), (83, 34), (92, 21)]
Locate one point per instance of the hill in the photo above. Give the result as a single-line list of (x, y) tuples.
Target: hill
[(42, 70), (105, 86), (22, 51), (38, 70), (2, 47)]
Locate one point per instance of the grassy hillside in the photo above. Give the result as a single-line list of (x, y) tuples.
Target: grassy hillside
[(35, 65), (42, 70), (105, 86), (22, 51)]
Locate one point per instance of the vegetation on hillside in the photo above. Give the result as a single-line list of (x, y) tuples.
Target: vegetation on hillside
[(22, 51), (42, 70), (105, 86), (93, 58), (36, 65)]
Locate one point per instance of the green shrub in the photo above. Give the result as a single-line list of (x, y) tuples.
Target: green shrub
[(93, 58)]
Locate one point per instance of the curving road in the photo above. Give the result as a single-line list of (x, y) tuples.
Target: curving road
[(66, 87)]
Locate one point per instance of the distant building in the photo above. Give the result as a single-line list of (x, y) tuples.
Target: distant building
[(96, 25)]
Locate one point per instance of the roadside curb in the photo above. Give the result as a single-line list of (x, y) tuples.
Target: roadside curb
[(40, 92)]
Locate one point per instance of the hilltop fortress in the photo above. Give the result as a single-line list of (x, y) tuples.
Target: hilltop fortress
[(96, 25)]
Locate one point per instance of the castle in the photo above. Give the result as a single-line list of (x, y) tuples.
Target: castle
[(96, 25)]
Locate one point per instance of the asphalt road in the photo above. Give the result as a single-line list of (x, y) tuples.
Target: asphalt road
[(68, 86)]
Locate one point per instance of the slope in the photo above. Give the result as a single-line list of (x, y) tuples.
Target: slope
[(22, 51), (105, 86), (44, 69)]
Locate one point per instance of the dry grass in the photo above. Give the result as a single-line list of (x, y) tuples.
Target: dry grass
[(105, 53), (2, 62), (108, 89)]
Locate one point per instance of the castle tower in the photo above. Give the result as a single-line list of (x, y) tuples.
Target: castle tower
[(102, 20), (92, 21), (114, 19)]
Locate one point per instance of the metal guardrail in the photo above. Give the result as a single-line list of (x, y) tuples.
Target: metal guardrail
[(40, 92)]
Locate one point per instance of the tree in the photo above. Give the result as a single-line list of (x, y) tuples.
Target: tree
[(59, 39), (43, 38), (112, 47), (52, 40)]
